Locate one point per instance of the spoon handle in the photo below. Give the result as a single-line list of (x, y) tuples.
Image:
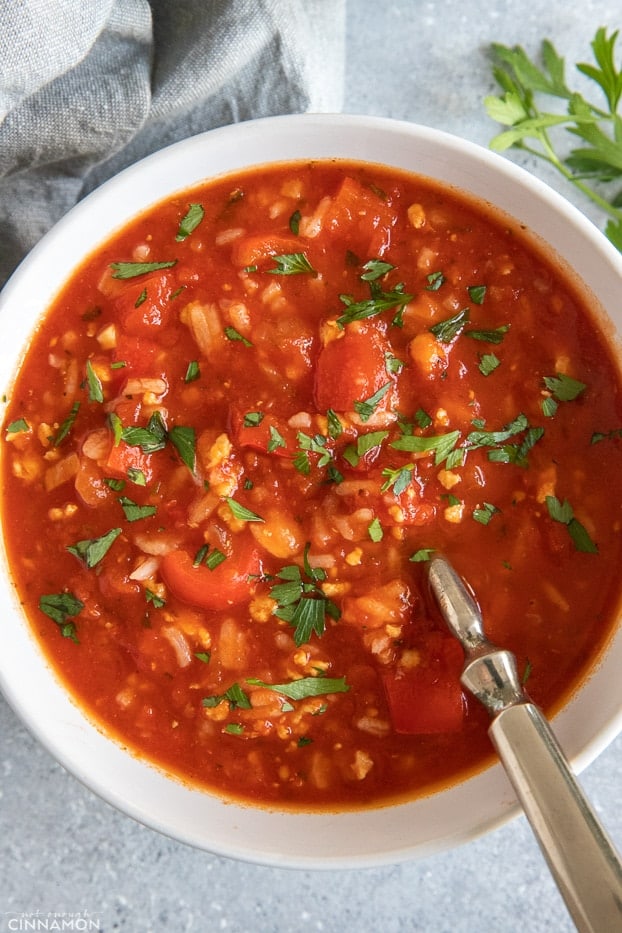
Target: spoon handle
[(580, 855), (582, 859)]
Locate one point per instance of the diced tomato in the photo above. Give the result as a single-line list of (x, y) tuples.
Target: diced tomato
[(229, 584), (125, 457), (140, 356), (363, 217), (144, 303), (428, 698), (259, 250), (270, 435), (352, 368)]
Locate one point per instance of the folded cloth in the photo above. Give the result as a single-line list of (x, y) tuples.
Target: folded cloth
[(90, 86)]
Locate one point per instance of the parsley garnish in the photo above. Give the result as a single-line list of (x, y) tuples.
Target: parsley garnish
[(234, 696), (501, 451), (378, 302), (335, 428), (190, 221), (184, 441), (314, 445), (439, 444), (156, 601), (211, 559), (128, 270), (563, 389), (398, 479), (599, 436), (192, 372), (365, 409), (232, 334), (276, 440), (17, 427), (136, 476), (532, 129), (563, 512), (67, 424), (305, 686), (291, 264), (477, 293), (481, 438), (435, 280), (92, 550), (253, 419), (61, 607), (301, 601), (150, 438), (133, 511), (489, 336), (294, 222), (447, 330), (374, 530), (96, 393), (375, 269), (488, 363), (155, 436), (241, 512), (484, 513)]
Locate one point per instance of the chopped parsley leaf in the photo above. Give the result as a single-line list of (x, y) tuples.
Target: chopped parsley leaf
[(304, 687), (67, 425), (190, 221), (563, 512), (128, 270), (375, 269), (133, 511), (291, 264), (61, 608), (435, 280), (378, 302), (477, 293), (232, 334), (439, 444), (92, 550), (365, 409), (96, 392), (192, 372), (447, 330), (241, 512), (488, 363), (301, 600)]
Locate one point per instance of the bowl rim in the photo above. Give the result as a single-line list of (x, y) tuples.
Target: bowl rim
[(137, 788)]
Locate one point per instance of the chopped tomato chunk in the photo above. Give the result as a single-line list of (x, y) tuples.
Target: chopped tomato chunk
[(259, 250), (362, 214), (229, 584), (139, 356), (428, 698), (144, 304), (125, 457), (264, 433), (352, 368)]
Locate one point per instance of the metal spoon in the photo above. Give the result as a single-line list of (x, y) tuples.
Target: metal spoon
[(580, 855)]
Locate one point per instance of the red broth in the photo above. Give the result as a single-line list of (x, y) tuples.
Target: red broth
[(241, 430)]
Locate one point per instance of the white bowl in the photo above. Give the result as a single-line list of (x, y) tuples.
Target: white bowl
[(351, 839)]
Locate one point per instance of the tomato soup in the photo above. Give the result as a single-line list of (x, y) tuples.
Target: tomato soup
[(240, 432)]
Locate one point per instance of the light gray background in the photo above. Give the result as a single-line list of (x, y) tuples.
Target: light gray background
[(62, 849)]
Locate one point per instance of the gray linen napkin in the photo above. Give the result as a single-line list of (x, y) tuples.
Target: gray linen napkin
[(87, 87)]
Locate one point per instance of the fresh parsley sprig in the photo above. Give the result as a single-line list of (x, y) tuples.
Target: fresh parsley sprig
[(301, 600), (598, 161)]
